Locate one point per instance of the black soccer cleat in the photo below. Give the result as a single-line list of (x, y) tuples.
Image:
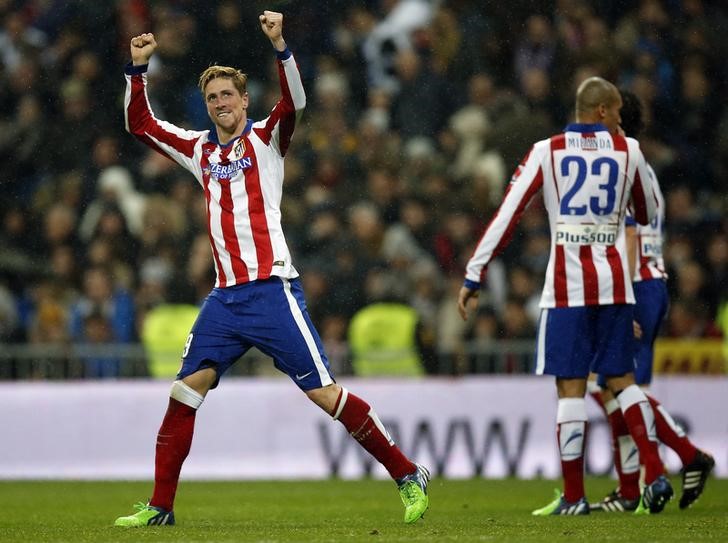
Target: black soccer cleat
[(615, 503), (694, 476)]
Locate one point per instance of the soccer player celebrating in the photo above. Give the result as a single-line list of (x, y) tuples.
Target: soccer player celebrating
[(257, 300), (644, 248), (588, 174)]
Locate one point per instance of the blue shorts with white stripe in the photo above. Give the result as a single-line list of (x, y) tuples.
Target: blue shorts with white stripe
[(268, 314)]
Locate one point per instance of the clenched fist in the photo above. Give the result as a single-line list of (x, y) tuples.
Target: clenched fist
[(142, 48), (271, 23)]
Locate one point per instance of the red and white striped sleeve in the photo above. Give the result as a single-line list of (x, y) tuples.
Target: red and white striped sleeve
[(169, 140), (525, 183), (277, 128), (643, 201)]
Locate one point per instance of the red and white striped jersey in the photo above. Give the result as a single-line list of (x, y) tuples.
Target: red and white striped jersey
[(588, 178), (649, 263), (242, 180)]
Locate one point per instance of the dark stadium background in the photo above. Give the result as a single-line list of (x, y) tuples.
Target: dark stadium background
[(401, 159)]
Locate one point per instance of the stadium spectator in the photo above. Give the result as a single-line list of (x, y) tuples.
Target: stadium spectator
[(101, 295), (257, 299), (64, 269), (689, 321), (420, 106), (96, 333), (536, 50), (59, 228), (199, 271), (18, 40), (47, 325), (471, 125), (389, 37), (717, 268), (586, 320), (21, 141), (484, 337), (16, 243), (9, 318), (116, 190)]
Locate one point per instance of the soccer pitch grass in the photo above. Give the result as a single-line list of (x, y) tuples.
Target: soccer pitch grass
[(332, 511)]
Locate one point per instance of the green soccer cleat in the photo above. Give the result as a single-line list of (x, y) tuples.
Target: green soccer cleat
[(413, 491), (146, 515), (559, 506)]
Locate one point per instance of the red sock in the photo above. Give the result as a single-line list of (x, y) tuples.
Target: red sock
[(173, 445), (362, 423), (626, 455), (671, 434), (640, 420), (571, 436)]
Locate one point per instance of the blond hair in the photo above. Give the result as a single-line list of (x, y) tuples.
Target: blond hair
[(238, 78)]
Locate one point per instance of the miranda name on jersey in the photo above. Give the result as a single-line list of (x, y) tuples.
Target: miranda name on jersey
[(588, 143)]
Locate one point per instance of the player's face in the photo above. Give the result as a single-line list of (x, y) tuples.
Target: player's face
[(611, 118), (225, 106)]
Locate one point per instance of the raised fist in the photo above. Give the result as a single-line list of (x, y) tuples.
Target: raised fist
[(271, 22), (142, 48)]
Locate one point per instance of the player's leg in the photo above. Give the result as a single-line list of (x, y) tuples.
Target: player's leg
[(652, 303), (564, 348), (362, 422), (615, 361), (174, 438), (206, 344), (626, 461), (640, 419), (284, 331), (651, 308), (626, 457), (697, 464), (669, 433)]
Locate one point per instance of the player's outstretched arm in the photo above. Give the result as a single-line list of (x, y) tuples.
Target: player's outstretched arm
[(271, 23), (142, 48)]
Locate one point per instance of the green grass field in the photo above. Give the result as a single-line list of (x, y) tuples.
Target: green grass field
[(323, 511)]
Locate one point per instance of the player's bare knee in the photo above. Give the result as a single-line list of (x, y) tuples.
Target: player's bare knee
[(325, 397), (571, 388), (186, 395), (617, 383), (201, 381)]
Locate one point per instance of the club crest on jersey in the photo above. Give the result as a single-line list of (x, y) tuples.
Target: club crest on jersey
[(239, 149)]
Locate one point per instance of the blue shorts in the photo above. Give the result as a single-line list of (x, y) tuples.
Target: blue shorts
[(269, 314), (572, 341), (650, 310)]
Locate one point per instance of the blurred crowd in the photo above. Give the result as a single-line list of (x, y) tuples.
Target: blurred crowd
[(418, 112)]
